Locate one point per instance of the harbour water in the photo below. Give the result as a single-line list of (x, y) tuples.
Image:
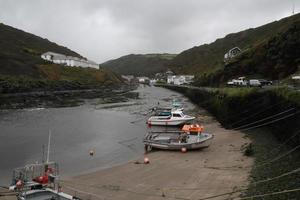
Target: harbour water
[(114, 132)]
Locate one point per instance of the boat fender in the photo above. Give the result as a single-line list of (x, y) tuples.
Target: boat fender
[(146, 160), (183, 150)]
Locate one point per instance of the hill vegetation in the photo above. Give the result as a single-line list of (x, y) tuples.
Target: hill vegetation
[(139, 64), (270, 51), (22, 69)]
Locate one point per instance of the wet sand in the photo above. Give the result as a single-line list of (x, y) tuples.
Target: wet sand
[(5, 194), (218, 169)]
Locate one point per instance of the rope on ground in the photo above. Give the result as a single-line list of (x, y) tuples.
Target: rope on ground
[(241, 190), (251, 104), (205, 198), (264, 119), (278, 157), (276, 177), (268, 194), (254, 114), (285, 142), (271, 122), (124, 190), (271, 160)]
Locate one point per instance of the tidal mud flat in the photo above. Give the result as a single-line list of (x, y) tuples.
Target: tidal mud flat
[(220, 168), (116, 170)]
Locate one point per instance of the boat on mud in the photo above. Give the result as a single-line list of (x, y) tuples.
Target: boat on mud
[(38, 182), (190, 137), (169, 117), (177, 104)]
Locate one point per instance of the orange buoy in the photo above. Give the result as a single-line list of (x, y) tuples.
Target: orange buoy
[(146, 160), (92, 152), (183, 150)]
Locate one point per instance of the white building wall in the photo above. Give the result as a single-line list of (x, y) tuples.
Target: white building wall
[(68, 60), (170, 79)]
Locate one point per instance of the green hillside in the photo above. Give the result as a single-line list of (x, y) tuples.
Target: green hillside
[(20, 51), (139, 65), (258, 45), (21, 66)]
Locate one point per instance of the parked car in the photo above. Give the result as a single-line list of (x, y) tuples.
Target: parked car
[(254, 83), (241, 81), (265, 82)]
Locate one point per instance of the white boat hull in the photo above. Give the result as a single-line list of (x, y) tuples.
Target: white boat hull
[(169, 122)]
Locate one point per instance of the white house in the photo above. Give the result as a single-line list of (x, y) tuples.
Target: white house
[(296, 77), (68, 60), (143, 79), (180, 79), (232, 53)]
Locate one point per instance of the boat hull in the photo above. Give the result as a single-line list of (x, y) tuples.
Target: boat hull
[(203, 143), (169, 122), (43, 194)]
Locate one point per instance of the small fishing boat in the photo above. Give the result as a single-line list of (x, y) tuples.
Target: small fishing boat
[(190, 138), (169, 117), (177, 104), (38, 182)]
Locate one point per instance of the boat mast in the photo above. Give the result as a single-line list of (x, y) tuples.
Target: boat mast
[(293, 7), (48, 153), (43, 158)]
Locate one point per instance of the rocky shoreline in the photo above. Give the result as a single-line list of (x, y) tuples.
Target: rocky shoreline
[(63, 98)]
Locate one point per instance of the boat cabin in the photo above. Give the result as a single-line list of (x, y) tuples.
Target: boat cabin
[(192, 129)]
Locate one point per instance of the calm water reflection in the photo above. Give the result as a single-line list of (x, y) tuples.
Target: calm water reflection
[(115, 134)]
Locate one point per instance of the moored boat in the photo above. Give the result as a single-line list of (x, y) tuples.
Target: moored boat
[(177, 104), (191, 137), (38, 182), (171, 117)]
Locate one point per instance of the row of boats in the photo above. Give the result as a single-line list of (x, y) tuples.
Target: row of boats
[(41, 181), (189, 137)]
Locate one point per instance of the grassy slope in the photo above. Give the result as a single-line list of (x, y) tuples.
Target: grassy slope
[(208, 58), (22, 68), (139, 65), (20, 51), (272, 144), (275, 59)]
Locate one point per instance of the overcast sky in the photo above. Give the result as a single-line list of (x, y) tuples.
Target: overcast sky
[(107, 29)]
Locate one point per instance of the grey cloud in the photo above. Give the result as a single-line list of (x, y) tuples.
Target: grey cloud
[(103, 30)]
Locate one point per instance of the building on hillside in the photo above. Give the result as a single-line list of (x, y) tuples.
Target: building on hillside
[(152, 81), (169, 73), (189, 79), (297, 77), (128, 77), (232, 53), (143, 79), (162, 77), (180, 79), (71, 61)]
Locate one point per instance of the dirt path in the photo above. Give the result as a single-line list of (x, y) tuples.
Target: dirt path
[(173, 175)]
